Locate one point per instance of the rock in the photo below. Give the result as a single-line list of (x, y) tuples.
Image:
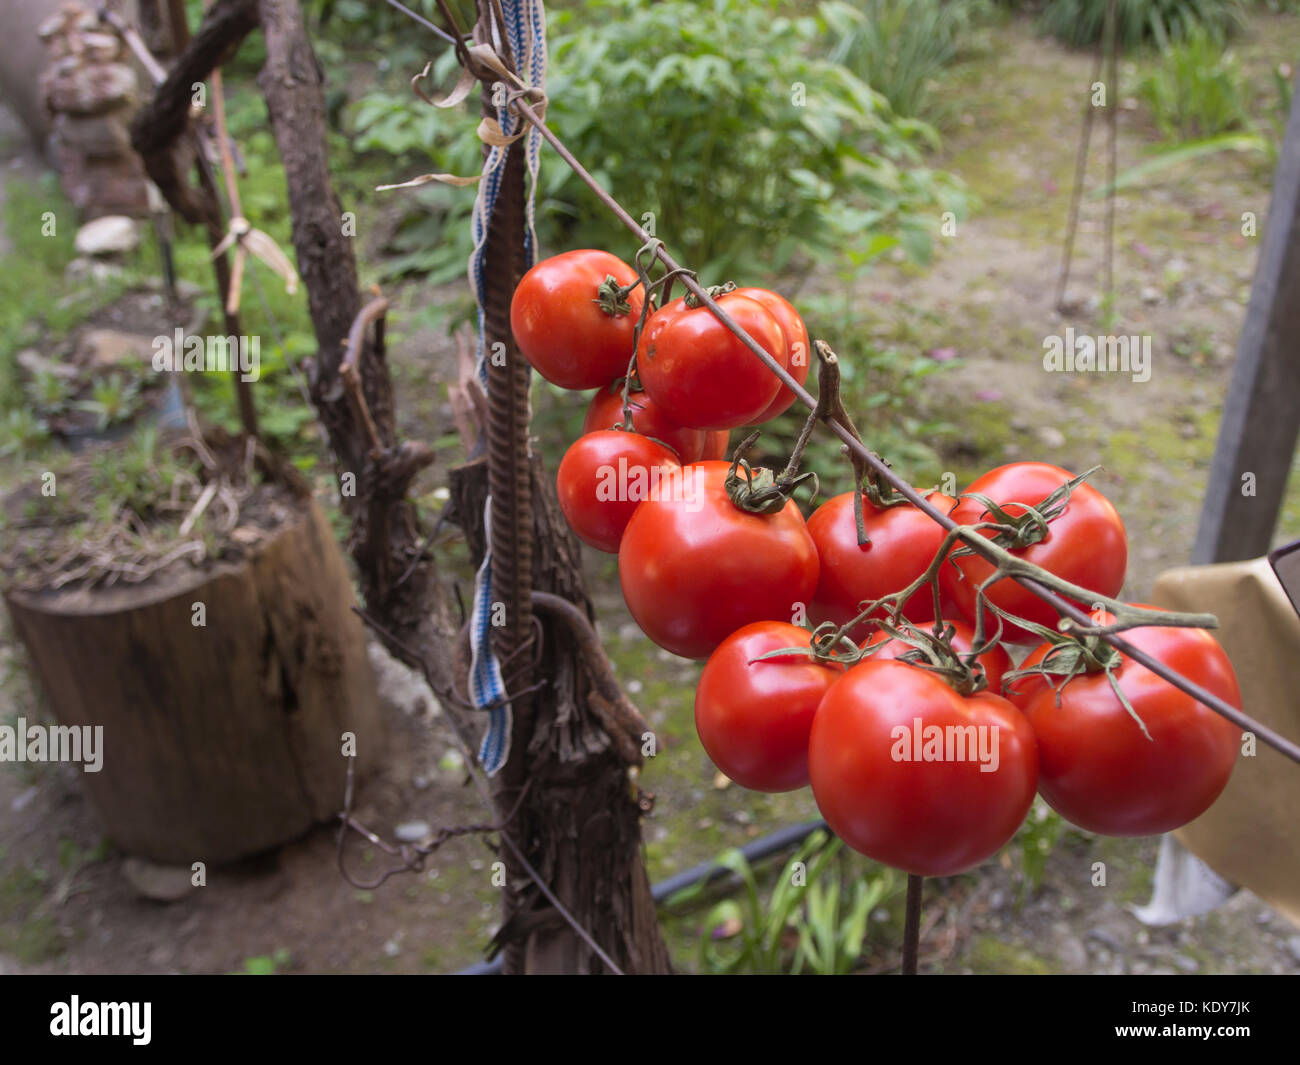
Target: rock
[(23, 799), (92, 270), (411, 831), (1150, 294), (104, 348), (35, 363), (161, 883), (1051, 436), (1104, 935), (400, 686), (1293, 945), (420, 782), (1072, 953), (110, 235), (88, 89), (95, 136), (1185, 964)]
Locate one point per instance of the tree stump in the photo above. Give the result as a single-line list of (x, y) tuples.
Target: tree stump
[(220, 739)]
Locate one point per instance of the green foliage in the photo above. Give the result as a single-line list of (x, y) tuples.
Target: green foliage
[(22, 432), (814, 920), (1080, 22), (263, 964), (1198, 89), (750, 153), (1037, 836), (899, 47)]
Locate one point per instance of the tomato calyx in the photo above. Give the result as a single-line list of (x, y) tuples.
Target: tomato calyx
[(1073, 656), (611, 297), (760, 491), (933, 651), (714, 291), (1016, 531)]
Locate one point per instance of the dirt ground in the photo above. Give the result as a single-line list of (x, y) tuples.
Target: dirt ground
[(1183, 273)]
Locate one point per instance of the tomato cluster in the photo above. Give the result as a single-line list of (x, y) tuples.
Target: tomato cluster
[(923, 747), (693, 567)]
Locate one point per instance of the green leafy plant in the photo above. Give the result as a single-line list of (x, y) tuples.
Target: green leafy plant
[(263, 964), (22, 432), (815, 918), (112, 400), (716, 119), (1037, 838), (1197, 91), (900, 47), (1080, 22)]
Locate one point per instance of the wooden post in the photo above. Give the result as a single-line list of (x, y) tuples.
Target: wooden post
[(1261, 417)]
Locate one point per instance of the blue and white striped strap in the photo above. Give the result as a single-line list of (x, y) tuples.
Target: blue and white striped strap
[(526, 32)]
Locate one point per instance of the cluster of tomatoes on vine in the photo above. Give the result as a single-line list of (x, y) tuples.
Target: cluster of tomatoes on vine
[(897, 702)]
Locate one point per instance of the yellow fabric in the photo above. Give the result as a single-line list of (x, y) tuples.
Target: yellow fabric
[(1251, 835)]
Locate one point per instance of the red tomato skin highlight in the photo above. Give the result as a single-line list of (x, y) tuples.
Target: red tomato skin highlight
[(931, 818), (716, 444), (591, 468), (798, 351), (754, 718), (606, 411), (699, 372), (694, 571), (566, 337)]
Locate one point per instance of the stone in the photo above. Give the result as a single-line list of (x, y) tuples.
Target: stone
[(95, 271), (161, 883), (95, 136), (110, 235), (91, 88), (102, 348), (1051, 436), (35, 363), (411, 831)]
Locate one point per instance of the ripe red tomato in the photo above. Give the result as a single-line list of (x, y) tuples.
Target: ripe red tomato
[(695, 568), (1085, 544), (754, 717), (606, 411), (716, 444), (699, 372), (604, 477), (1098, 769), (798, 351), (904, 541), (908, 772), (995, 660), (560, 329)]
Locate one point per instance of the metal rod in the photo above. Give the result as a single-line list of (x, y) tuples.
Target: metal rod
[(912, 924)]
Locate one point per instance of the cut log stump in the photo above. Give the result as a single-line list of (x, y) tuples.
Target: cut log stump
[(225, 738)]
